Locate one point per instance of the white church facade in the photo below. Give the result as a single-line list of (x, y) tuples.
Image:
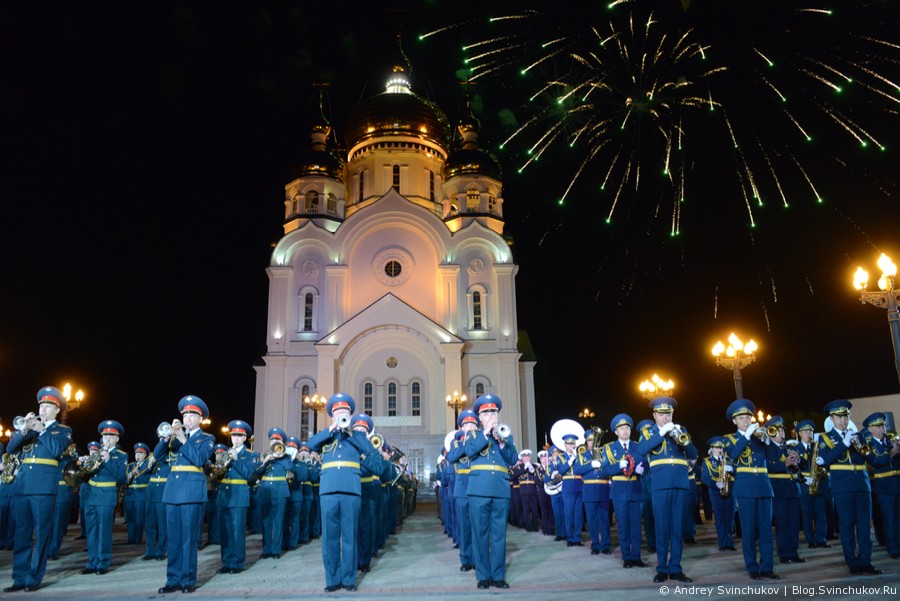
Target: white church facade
[(393, 282)]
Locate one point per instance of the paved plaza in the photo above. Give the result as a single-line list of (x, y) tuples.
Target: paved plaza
[(420, 562)]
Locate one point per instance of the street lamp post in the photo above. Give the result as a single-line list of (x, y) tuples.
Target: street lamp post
[(316, 403), (735, 357), (72, 403), (656, 386), (456, 402), (887, 298)]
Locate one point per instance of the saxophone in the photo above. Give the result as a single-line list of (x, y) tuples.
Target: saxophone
[(726, 478), (816, 471)]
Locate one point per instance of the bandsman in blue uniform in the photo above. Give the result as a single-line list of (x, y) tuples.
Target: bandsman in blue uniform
[(315, 513), (548, 527), (850, 488), (573, 503), (7, 529), (556, 500), (370, 488), (234, 498), (526, 477), (752, 488), (293, 510), (595, 496), (41, 443), (624, 466), (783, 462), (456, 456), (307, 488), (668, 460), (155, 524), (101, 504), (812, 506), (138, 475), (185, 494), (273, 492), (211, 509), (61, 508), (84, 490), (884, 461), (714, 471), (490, 457), (339, 492), (647, 485)]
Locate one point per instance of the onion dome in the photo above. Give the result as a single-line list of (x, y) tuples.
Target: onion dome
[(316, 161), (398, 112), (469, 159)]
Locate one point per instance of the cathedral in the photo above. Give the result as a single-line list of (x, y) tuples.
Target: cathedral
[(393, 282)]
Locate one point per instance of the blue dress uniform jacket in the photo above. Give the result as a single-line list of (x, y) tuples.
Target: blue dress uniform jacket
[(711, 470), (371, 469), (573, 503), (155, 526), (488, 490), (136, 499), (813, 507), (233, 501), (670, 489), (886, 484), (100, 509), (753, 491), (184, 497), (852, 498), (627, 495), (35, 489), (457, 457), (786, 500), (272, 495), (595, 498), (294, 514), (339, 500)]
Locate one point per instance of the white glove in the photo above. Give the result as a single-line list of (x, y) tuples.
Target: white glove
[(808, 481), (666, 429), (530, 468), (720, 485), (554, 474), (623, 464), (729, 469), (437, 484), (595, 464), (639, 469), (571, 459), (750, 430), (848, 438), (820, 461)]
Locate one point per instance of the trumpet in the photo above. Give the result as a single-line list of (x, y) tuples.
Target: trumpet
[(502, 432), (770, 432), (681, 437), (26, 423), (164, 430), (376, 441), (343, 422), (861, 447)]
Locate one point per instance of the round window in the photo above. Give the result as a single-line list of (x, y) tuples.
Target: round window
[(392, 269)]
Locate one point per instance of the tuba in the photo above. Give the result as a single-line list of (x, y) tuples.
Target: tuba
[(11, 464), (221, 466)]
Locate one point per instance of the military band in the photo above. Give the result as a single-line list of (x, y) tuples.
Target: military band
[(756, 470)]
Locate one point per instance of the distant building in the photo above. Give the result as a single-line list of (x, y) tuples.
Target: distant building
[(393, 282)]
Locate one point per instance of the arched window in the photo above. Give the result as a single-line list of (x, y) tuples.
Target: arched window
[(416, 398), (308, 312), (368, 398), (479, 390), (305, 429), (392, 399), (492, 205), (431, 184), (362, 184), (476, 311), (473, 201), (295, 205), (396, 178), (312, 201)]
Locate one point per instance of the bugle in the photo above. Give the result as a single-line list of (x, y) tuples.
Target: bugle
[(502, 432), (343, 422)]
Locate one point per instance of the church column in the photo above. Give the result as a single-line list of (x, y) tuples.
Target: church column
[(333, 310), (451, 357), (279, 304), (448, 299), (506, 318)]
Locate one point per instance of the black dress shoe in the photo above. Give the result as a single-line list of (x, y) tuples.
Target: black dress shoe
[(639, 563), (188, 589), (660, 577), (14, 588), (627, 563), (754, 576), (731, 548), (32, 588), (559, 538), (236, 570), (89, 571), (869, 570), (680, 577), (770, 575), (456, 546), (102, 571), (223, 571), (332, 588), (499, 584), (595, 551), (168, 589), (362, 569), (351, 588), (484, 584), (147, 558), (465, 568), (606, 551), (823, 545)]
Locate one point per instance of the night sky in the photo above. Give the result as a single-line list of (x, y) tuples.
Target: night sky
[(145, 154)]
